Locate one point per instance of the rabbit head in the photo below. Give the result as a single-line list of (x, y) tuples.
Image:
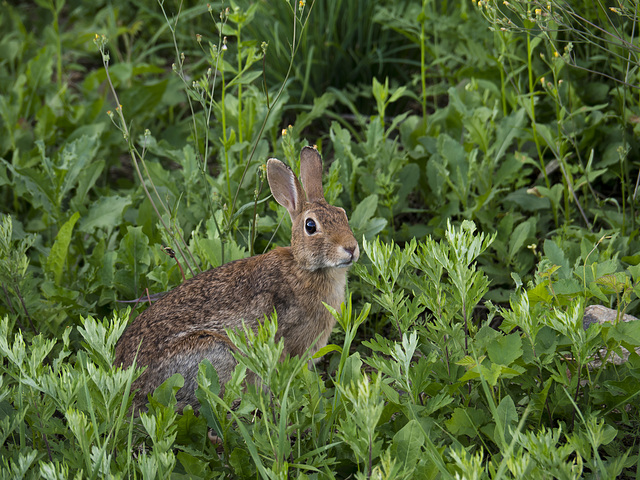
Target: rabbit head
[(320, 234)]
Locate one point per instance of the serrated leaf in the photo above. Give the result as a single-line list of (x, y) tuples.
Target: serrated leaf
[(505, 350), (555, 254), (58, 254), (466, 421)]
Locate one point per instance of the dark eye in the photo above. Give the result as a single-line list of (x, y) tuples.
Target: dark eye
[(310, 226)]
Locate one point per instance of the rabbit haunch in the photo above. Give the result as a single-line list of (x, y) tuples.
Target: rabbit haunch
[(188, 324)]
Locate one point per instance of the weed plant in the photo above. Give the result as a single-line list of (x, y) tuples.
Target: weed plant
[(485, 154)]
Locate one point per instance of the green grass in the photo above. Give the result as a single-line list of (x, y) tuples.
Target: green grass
[(484, 154)]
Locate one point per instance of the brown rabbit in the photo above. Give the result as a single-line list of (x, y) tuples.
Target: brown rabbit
[(188, 324)]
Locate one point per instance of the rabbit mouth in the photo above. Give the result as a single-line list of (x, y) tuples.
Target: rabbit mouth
[(345, 264)]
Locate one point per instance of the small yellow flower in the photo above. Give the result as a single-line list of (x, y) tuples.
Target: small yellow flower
[(301, 4), (556, 54), (538, 11), (284, 132), (542, 81)]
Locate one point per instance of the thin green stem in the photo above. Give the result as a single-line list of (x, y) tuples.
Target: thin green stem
[(134, 160), (423, 53), (294, 49), (534, 129), (240, 116)]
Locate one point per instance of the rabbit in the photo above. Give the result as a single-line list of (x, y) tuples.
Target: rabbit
[(187, 325)]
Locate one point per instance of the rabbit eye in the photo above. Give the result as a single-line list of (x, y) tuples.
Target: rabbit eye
[(310, 226)]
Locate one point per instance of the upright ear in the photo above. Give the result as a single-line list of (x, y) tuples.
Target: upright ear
[(284, 186), (311, 173)]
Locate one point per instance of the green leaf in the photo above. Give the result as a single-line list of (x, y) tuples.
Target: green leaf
[(242, 463), (628, 332), (466, 421), (58, 254), (556, 255), (364, 211), (208, 384), (352, 370), (165, 394), (192, 429), (407, 444), (508, 417), (520, 235), (327, 349), (105, 213), (362, 222), (134, 255), (505, 350)]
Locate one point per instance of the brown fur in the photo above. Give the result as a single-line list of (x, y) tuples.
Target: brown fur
[(188, 324)]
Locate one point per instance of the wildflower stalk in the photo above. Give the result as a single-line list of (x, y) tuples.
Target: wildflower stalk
[(101, 41)]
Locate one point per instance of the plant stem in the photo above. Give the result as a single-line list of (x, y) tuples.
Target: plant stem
[(536, 139), (294, 49), (423, 68), (24, 306), (240, 116)]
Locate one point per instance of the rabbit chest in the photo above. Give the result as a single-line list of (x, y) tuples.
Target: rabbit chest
[(309, 320)]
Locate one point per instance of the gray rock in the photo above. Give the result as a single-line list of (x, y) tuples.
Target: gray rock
[(600, 314)]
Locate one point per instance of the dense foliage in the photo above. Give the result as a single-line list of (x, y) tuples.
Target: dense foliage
[(486, 153)]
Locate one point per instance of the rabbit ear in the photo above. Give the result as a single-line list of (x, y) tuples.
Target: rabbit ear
[(285, 186), (311, 173)]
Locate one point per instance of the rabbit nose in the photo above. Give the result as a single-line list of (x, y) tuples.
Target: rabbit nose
[(352, 252)]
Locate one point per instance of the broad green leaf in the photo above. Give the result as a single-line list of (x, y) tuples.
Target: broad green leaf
[(466, 421), (364, 211), (58, 254), (508, 130), (628, 332), (555, 254), (546, 135), (540, 293), (506, 349), (407, 444), (372, 228), (508, 417), (166, 392), (352, 369), (192, 429), (242, 463), (105, 213), (520, 235)]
